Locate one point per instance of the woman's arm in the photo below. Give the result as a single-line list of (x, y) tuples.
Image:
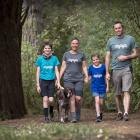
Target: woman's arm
[(84, 67), (62, 69)]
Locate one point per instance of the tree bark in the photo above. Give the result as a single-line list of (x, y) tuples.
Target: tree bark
[(11, 91)]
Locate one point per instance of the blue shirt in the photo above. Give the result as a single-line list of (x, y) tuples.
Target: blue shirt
[(47, 67), (98, 82)]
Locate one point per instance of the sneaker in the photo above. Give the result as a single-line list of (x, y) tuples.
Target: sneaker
[(47, 120), (119, 116), (73, 120), (73, 117), (125, 117), (98, 119)]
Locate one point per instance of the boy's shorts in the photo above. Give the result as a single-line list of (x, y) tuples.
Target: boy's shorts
[(122, 80), (101, 95), (47, 87), (77, 87)]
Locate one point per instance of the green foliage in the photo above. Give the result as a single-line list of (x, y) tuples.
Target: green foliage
[(55, 131), (92, 22), (32, 99)]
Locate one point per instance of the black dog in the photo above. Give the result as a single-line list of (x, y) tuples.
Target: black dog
[(63, 98)]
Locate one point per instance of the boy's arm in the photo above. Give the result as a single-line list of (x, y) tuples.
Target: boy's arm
[(57, 76), (37, 79), (107, 85)]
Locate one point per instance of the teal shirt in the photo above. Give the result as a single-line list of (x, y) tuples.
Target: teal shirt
[(120, 46), (47, 67)]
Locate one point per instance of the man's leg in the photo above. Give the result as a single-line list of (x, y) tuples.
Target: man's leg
[(126, 103), (127, 84), (117, 81), (118, 99)]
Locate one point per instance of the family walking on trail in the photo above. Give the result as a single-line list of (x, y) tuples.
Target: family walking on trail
[(120, 50)]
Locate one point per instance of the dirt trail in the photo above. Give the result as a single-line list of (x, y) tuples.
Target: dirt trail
[(131, 127)]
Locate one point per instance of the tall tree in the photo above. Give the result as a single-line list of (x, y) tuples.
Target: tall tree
[(11, 91)]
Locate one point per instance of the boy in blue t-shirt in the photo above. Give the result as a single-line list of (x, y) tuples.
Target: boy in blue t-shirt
[(46, 74), (99, 84)]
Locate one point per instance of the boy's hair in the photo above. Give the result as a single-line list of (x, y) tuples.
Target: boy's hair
[(118, 22), (75, 38), (95, 55), (45, 43)]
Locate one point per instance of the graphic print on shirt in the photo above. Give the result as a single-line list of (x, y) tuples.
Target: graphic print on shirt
[(121, 46)]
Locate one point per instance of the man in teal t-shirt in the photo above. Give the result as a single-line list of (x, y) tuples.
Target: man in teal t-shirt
[(121, 49)]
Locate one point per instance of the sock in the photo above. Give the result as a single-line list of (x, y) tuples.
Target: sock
[(46, 112), (51, 111)]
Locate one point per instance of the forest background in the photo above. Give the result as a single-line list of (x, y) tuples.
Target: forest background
[(92, 22)]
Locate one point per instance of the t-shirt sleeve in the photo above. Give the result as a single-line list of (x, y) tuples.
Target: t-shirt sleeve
[(56, 61), (38, 62), (108, 46), (133, 43), (84, 57), (89, 71), (64, 57)]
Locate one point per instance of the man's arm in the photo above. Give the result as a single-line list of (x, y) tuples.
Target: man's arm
[(37, 79), (133, 55)]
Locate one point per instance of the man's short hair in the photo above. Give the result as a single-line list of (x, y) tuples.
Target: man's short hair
[(118, 22)]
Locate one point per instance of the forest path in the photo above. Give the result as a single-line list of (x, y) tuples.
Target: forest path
[(130, 129)]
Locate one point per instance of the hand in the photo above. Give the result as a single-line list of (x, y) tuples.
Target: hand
[(122, 58), (38, 89), (107, 76), (59, 86), (86, 79)]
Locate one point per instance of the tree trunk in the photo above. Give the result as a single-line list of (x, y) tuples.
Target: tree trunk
[(11, 92)]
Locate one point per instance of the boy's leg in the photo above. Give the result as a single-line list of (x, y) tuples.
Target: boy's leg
[(45, 107), (101, 107), (51, 106), (51, 87), (97, 106)]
